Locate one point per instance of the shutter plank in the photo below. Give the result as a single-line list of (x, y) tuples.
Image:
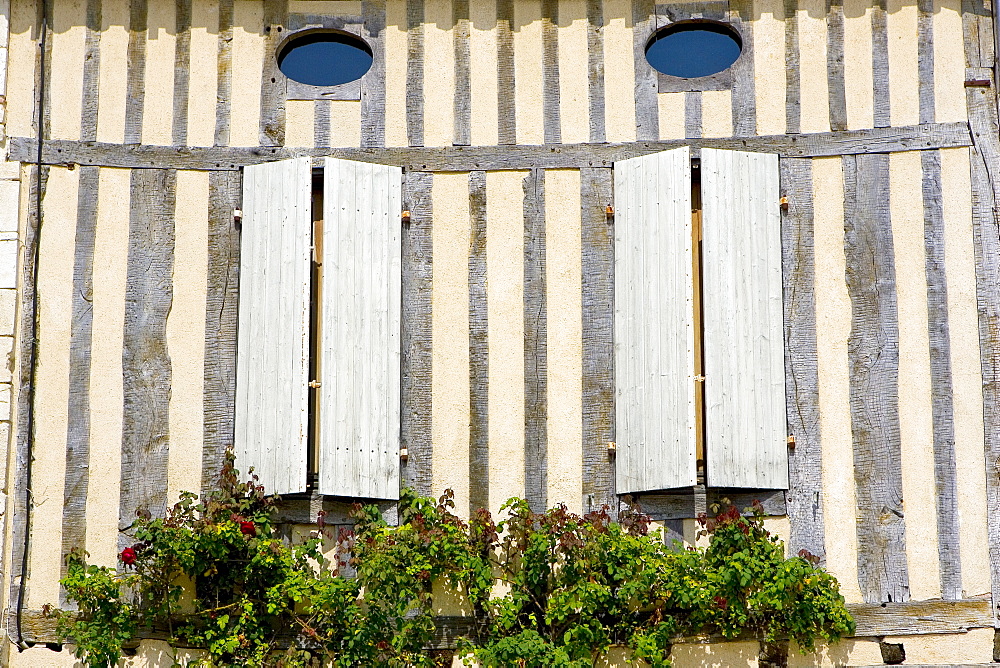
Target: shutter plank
[(272, 363), (360, 394), (654, 323), (744, 356)]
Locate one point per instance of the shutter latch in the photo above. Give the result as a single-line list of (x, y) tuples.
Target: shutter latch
[(406, 216), (314, 384)]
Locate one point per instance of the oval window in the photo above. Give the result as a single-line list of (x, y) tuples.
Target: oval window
[(696, 49), (325, 58)]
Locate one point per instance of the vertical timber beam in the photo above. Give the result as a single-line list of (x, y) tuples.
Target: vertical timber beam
[(221, 303), (272, 89), (535, 344), (74, 519), (647, 107), (479, 364), (942, 406), (598, 257), (985, 156), (372, 83), (804, 497), (873, 362), (145, 359), (416, 332)]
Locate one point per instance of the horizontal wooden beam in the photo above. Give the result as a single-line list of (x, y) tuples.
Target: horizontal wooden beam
[(890, 619), (305, 509), (921, 617), (679, 506), (469, 158)]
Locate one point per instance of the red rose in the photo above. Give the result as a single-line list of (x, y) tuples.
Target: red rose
[(128, 556), (247, 528)]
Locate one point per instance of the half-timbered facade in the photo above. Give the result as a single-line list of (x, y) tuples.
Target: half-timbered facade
[(525, 199)]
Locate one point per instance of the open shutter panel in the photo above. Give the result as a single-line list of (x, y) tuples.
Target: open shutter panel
[(744, 352), (272, 361), (654, 328), (359, 396)]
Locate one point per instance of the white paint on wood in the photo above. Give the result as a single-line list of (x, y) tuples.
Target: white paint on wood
[(359, 362), (272, 361), (654, 323), (744, 350)]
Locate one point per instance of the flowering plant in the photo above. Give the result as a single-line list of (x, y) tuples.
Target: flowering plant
[(572, 585)]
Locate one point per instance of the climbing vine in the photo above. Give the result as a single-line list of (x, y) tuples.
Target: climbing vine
[(539, 589)]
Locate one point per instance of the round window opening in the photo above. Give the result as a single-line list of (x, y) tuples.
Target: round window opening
[(697, 49), (325, 58)]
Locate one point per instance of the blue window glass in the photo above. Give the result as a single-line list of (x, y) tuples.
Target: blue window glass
[(325, 58), (695, 49)]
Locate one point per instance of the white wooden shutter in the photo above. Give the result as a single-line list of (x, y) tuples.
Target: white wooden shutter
[(654, 323), (746, 429), (272, 362), (359, 367)]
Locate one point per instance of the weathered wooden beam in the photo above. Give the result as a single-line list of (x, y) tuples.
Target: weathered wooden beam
[(479, 354), (74, 516), (470, 158), (647, 110), (224, 80), (373, 82), (922, 618), (146, 369), (873, 361), (662, 507), (305, 509), (506, 117), (942, 409), (182, 73), (273, 82), (414, 72), (418, 270), (595, 69), (535, 344), (598, 260), (221, 303), (805, 508), (136, 85)]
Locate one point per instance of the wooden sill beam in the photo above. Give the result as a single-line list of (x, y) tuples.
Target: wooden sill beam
[(469, 158), (890, 619)]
